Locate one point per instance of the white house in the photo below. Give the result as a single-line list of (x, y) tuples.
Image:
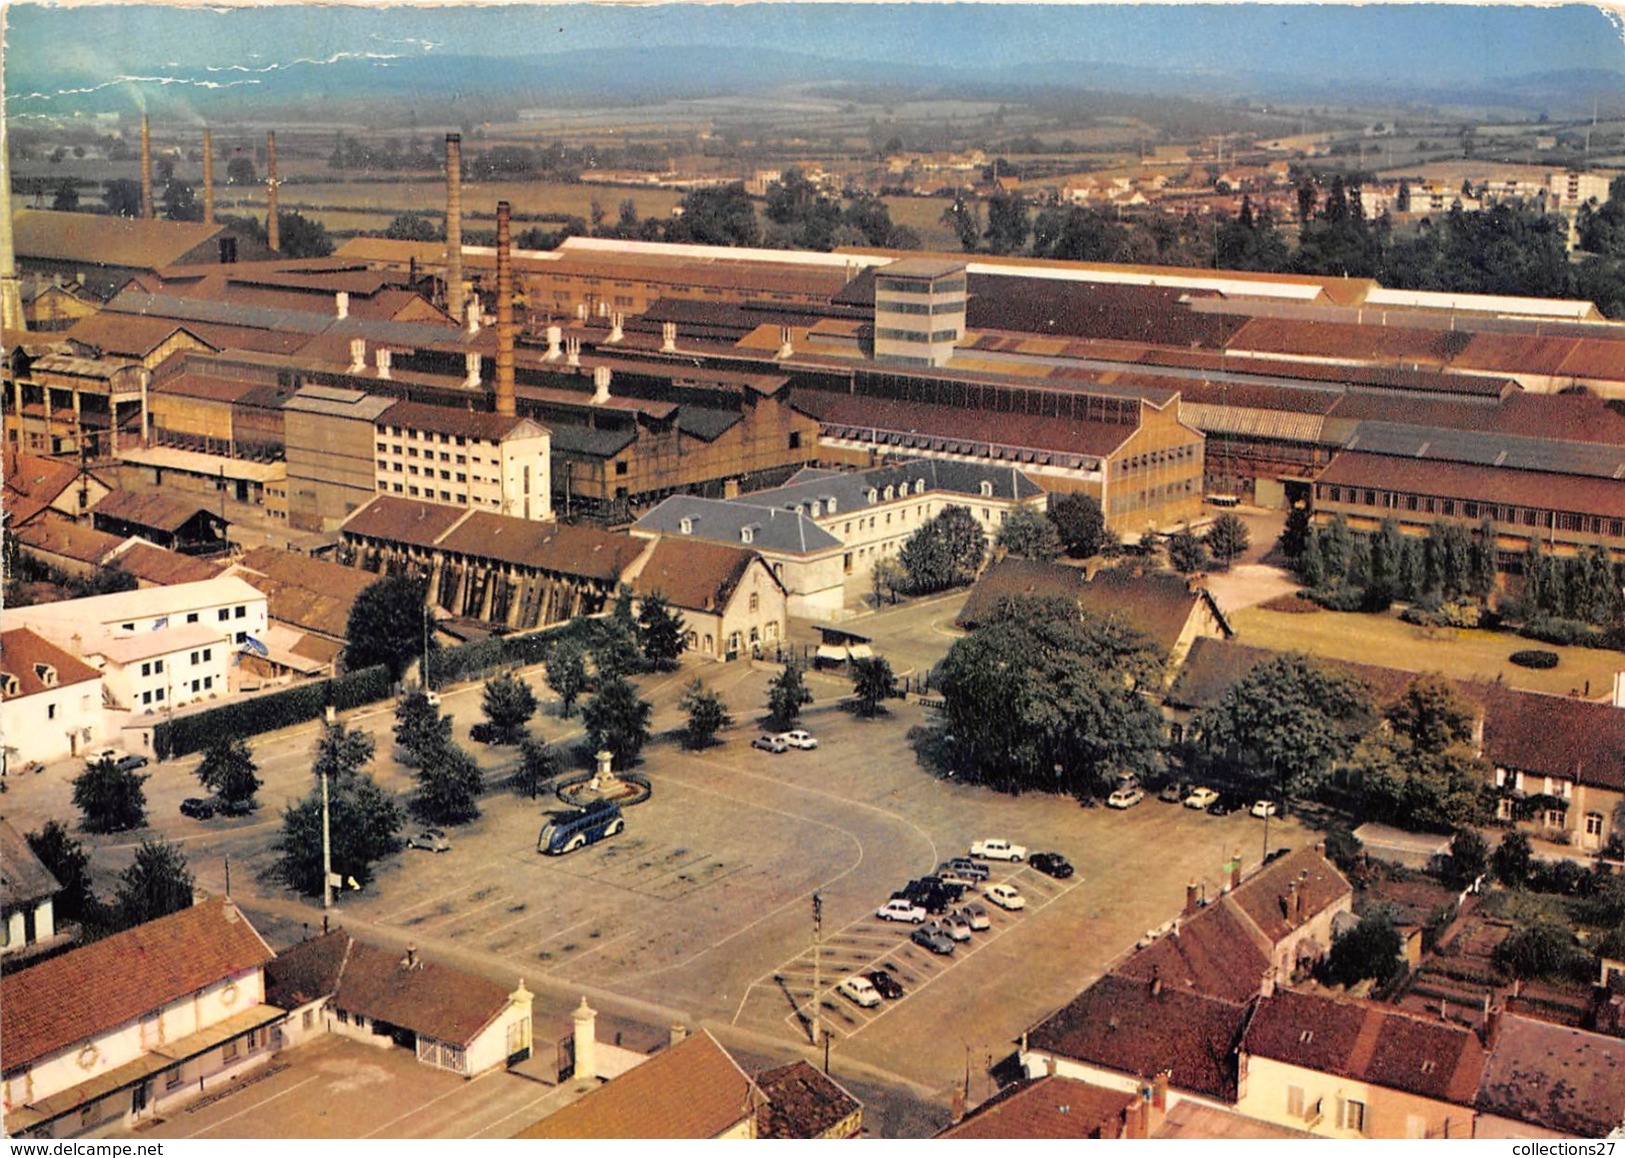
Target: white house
[(27, 899), (50, 700), (730, 602), (153, 670), (132, 1025)]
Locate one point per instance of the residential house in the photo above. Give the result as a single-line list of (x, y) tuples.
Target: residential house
[(804, 1102), (74, 549), (1346, 1068), (452, 1020), (27, 896), (39, 488), (50, 699), (133, 1025), (1050, 1107), (174, 524), (1542, 1080), (730, 601)]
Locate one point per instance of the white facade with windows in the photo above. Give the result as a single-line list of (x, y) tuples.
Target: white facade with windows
[(50, 701), (154, 670), (443, 459)]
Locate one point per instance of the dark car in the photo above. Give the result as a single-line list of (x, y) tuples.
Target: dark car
[(967, 867), (235, 807), (131, 762), (1051, 864), (198, 807), (1224, 806), (885, 984), (483, 733), (1172, 793), (932, 938)]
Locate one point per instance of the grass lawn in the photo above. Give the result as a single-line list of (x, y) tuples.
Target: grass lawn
[(1456, 652)]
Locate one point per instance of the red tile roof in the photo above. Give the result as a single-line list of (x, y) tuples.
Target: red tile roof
[(1370, 1043), (1047, 1107), (693, 575), (309, 971), (804, 1103), (21, 650), (57, 536), (97, 239), (408, 521), (450, 420), (308, 593), (1347, 341), (1566, 739), (1217, 951), (160, 568), (71, 999), (1305, 872), (692, 1090), (153, 509), (561, 548), (125, 335), (1485, 484), (431, 1000), (1564, 1079), (1056, 435), (32, 483)]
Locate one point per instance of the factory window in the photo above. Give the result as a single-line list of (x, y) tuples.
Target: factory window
[(461, 441), (194, 659), (413, 491), (795, 440), (146, 698), (462, 478), (397, 468), (462, 498), (621, 467), (383, 447), (412, 470), (397, 488), (445, 456), (462, 459), (446, 475), (446, 496), (411, 452), (208, 654)]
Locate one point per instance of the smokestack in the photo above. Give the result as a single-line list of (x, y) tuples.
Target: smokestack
[(11, 288), (454, 224), (504, 373), (146, 168), (208, 177), (273, 230)]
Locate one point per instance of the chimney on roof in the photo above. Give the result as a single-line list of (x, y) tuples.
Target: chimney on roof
[(1266, 984), (410, 961), (382, 358), (1156, 981), (586, 1042), (572, 351), (786, 349), (678, 1034), (471, 316), (1301, 893), (505, 403), (1191, 896), (358, 355), (1050, 1065), (616, 320), (208, 176), (1159, 1091), (471, 364), (555, 335), (146, 168), (1492, 1023), (454, 224), (341, 305), (273, 224), (600, 385), (956, 1106), (581, 311), (668, 337)]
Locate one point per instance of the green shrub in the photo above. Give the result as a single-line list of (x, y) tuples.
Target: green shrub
[(1534, 658), (195, 733)]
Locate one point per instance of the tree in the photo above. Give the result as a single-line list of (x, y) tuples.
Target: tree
[(508, 704), (228, 770), (707, 715), (122, 197), (341, 751), (110, 798), (887, 579), (1370, 949), (1469, 857), (66, 198), (537, 765), (1186, 553), (302, 236), (787, 694), (412, 227), (965, 219), (616, 648), (449, 786), (181, 203), (1513, 860), (944, 553), (567, 674), (1041, 697), (1008, 223), (387, 625), (365, 822), (1082, 526), (1030, 535), (661, 632), (157, 884), (1543, 949), (617, 720), (1227, 539), (1289, 719), (67, 861), (1296, 534), (1432, 714), (721, 215), (240, 170), (872, 682), (419, 727)]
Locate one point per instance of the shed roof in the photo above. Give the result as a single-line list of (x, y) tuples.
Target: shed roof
[(1474, 483), (154, 509), (103, 240), (561, 548)]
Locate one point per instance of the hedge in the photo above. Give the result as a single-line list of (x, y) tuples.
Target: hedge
[(195, 733), (486, 657)]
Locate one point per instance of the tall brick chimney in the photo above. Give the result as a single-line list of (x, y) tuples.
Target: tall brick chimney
[(454, 224), (504, 371), (146, 167), (273, 231), (11, 286), (208, 177)]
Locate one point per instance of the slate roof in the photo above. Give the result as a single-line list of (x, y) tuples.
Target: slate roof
[(1118, 1024), (60, 1003), (1046, 1107), (1556, 736), (1094, 310), (23, 878), (692, 1090), (773, 529), (1370, 1043), (153, 509), (1525, 452), (940, 475), (21, 649), (694, 576), (802, 1102), (1563, 1079)]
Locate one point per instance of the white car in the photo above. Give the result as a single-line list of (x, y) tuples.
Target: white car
[(899, 909), (770, 744), (429, 840), (859, 990), (998, 850), (1265, 808), (799, 739), (1200, 798), (1005, 896), (1125, 798)]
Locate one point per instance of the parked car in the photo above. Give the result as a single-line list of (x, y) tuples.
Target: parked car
[(949, 875), (885, 984), (1052, 864), (126, 761), (484, 732), (1224, 806), (1172, 793), (799, 739), (955, 926), (934, 939), (998, 850), (970, 868), (1200, 798), (1006, 897), (859, 990), (1263, 808), (770, 744), (235, 807), (198, 807), (1125, 798), (429, 840), (902, 909), (975, 916)]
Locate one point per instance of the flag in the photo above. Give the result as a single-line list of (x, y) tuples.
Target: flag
[(250, 644), (161, 621)]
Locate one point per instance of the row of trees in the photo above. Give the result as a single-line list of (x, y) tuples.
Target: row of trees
[(157, 882)]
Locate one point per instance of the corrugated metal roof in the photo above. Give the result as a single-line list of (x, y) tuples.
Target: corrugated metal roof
[(1282, 425), (1471, 482), (1515, 452)]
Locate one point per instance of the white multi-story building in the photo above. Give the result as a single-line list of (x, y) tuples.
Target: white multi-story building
[(50, 700), (484, 461), (149, 671)]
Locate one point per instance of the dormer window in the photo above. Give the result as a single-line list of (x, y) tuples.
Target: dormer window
[(874, 495), (814, 508), (919, 486), (686, 526), (747, 534), (799, 508), (829, 504), (8, 684), (890, 492), (987, 489), (46, 674)]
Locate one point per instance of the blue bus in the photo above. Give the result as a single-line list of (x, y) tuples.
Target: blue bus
[(567, 831)]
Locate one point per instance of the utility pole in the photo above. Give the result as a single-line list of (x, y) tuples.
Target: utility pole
[(818, 974), (327, 852)]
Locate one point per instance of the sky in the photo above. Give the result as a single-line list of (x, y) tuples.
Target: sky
[(51, 50)]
